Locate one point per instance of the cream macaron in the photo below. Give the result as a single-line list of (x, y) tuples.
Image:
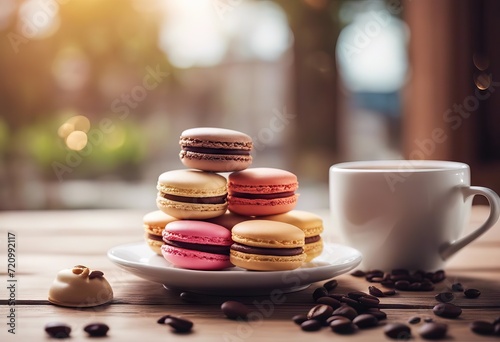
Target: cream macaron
[(192, 194), (312, 226), (154, 223), (264, 245)]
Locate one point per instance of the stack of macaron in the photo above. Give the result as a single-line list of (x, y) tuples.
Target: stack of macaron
[(208, 221)]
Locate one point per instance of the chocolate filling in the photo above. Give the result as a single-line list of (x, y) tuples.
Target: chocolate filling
[(155, 237), (312, 239), (267, 251), (216, 150), (198, 200), (224, 250), (263, 196)]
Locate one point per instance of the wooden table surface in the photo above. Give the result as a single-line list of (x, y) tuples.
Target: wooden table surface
[(49, 241)]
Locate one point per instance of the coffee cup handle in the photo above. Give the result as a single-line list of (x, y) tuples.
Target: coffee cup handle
[(494, 201)]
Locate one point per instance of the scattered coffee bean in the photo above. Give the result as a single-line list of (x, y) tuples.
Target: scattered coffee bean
[(330, 285), (345, 311), (402, 285), (162, 319), (364, 321), (472, 293), (310, 325), (96, 329), (482, 327), (320, 312), (447, 310), (332, 318), (180, 325), (496, 329), (400, 271), (58, 330), (375, 291), (349, 301), (329, 301), (457, 287), (426, 286), (438, 277), (342, 325), (387, 283), (397, 331), (357, 294), (376, 273), (433, 331), (399, 277), (415, 287), (371, 301), (319, 292), (358, 273), (444, 297), (389, 293), (414, 320), (380, 315), (299, 319), (234, 310), (337, 296)]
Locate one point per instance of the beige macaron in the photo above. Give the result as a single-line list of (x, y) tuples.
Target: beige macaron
[(154, 223)]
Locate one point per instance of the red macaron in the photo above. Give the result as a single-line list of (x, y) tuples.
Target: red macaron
[(262, 191)]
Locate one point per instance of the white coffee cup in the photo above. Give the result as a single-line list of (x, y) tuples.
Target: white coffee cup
[(406, 213)]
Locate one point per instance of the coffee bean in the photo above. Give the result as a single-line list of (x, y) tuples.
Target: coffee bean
[(329, 301), (330, 285), (433, 330), (319, 292), (162, 319), (349, 301), (496, 329), (299, 319), (337, 296), (364, 321), (400, 271), (397, 331), (369, 301), (415, 287), (457, 287), (234, 310), (389, 293), (472, 293), (398, 277), (387, 283), (320, 312), (357, 294), (438, 277), (376, 273), (417, 277), (189, 297), (414, 320), (376, 279), (482, 327), (375, 291), (180, 325), (58, 330), (96, 329), (358, 273), (447, 310), (310, 325), (429, 275), (332, 318), (444, 297), (346, 311), (402, 285), (380, 315), (342, 325), (426, 286)]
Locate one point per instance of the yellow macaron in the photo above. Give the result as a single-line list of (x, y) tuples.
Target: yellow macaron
[(312, 226), (154, 223), (264, 245)]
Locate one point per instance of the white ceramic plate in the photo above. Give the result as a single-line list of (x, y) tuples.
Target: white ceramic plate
[(139, 259)]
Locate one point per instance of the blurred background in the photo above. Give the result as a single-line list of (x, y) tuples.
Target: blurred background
[(94, 94)]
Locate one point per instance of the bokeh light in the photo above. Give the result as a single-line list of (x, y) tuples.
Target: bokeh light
[(77, 140)]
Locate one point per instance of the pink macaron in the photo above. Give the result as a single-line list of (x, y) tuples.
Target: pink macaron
[(262, 191), (197, 245)]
